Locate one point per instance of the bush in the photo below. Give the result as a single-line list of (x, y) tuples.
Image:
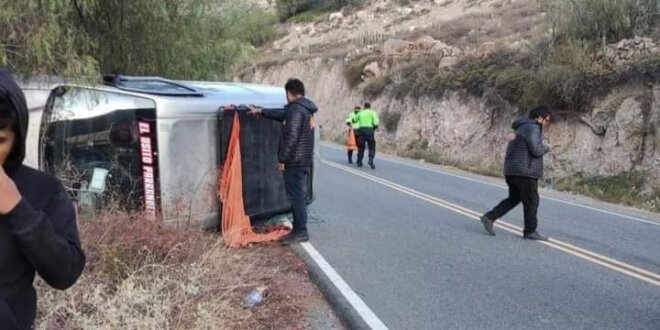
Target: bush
[(567, 77), (290, 8), (255, 26), (376, 87), (420, 150), (35, 38), (602, 20), (312, 15), (354, 73), (179, 39), (623, 188), (355, 69)]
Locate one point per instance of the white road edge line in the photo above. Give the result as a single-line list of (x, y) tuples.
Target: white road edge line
[(356, 302), (391, 160), (596, 258)]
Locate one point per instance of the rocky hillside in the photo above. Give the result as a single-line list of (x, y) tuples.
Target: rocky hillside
[(382, 52)]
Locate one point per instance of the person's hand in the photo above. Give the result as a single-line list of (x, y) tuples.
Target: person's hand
[(254, 111), (281, 167), (9, 194)]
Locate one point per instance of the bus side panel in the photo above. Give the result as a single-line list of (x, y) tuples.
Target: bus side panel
[(189, 170)]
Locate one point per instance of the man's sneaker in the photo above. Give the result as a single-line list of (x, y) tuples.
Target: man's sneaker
[(295, 237), (372, 165), (535, 236), (488, 224)]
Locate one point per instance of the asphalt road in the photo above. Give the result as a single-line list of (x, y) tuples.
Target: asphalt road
[(420, 262)]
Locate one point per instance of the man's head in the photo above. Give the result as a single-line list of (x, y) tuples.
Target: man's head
[(367, 105), (541, 114), (295, 89), (357, 109), (8, 128)]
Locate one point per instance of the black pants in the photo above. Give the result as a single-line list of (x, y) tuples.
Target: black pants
[(521, 189), (295, 182), (366, 137), (350, 156)]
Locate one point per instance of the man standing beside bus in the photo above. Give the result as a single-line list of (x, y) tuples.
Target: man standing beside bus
[(295, 152)]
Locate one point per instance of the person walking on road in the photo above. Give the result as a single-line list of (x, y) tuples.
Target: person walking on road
[(523, 167), (295, 152), (352, 123), (367, 125)]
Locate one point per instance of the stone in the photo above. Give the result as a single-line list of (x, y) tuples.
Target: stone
[(629, 49), (426, 42), (372, 70), (522, 46), (363, 15), (442, 49), (338, 16), (405, 11), (394, 46), (486, 49), (448, 61)]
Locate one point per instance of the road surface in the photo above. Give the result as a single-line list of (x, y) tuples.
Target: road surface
[(405, 238)]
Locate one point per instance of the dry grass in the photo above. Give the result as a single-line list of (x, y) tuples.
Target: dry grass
[(143, 275), (519, 20)]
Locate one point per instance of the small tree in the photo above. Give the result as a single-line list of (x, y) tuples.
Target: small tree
[(38, 36), (187, 39)]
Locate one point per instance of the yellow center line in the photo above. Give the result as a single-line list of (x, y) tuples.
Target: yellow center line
[(613, 264)]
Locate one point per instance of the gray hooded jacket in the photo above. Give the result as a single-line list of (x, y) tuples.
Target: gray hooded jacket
[(524, 154)]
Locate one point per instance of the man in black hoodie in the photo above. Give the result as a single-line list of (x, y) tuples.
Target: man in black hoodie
[(38, 230), (523, 167), (295, 152)]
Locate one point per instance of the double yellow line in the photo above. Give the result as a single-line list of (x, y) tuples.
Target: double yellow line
[(618, 266)]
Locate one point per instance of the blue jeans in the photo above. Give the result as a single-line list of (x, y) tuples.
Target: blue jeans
[(295, 181)]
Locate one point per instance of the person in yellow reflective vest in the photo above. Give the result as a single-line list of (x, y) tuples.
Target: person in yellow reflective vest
[(367, 125), (351, 143)]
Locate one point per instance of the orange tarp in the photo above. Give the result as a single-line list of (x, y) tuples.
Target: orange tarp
[(236, 228)]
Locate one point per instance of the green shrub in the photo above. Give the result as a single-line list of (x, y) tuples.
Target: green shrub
[(255, 26), (420, 150), (602, 20), (312, 15), (287, 9), (200, 39), (625, 188), (568, 77)]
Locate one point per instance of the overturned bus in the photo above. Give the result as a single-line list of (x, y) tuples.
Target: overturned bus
[(156, 145)]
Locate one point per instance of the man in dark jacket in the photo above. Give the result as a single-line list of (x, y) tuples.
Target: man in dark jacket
[(295, 152), (523, 167), (37, 220)]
